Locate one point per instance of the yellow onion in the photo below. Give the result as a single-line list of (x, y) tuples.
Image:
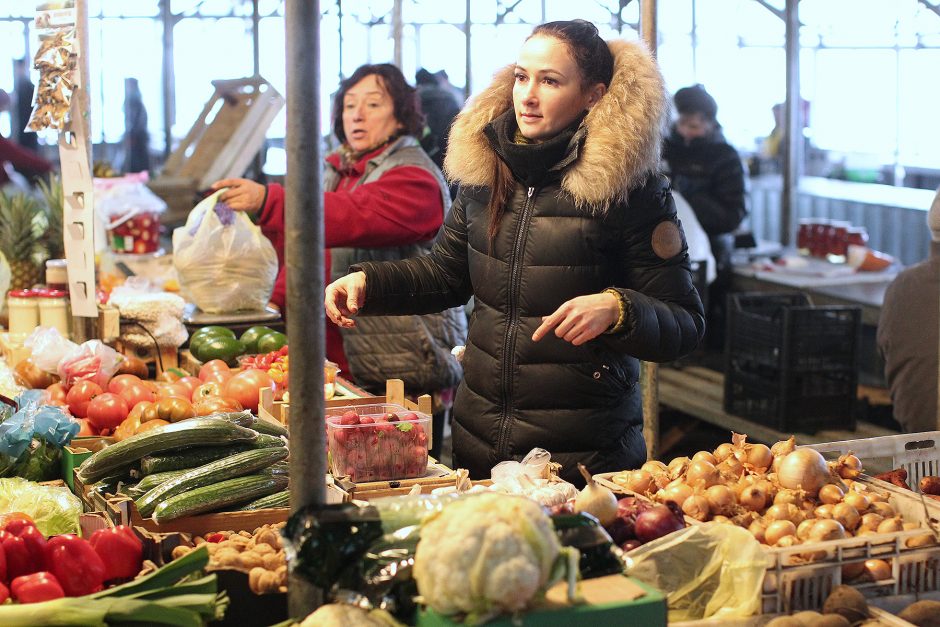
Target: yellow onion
[(654, 467), (724, 520), (696, 506), (758, 528), (759, 456), (705, 456), (777, 530), (871, 520), (882, 508), (825, 530), (787, 541), (677, 467), (723, 451), (857, 500), (849, 466), (783, 447), (769, 489), (720, 499), (877, 570), (793, 497), (891, 525), (640, 481), (753, 498), (910, 525), (847, 515), (852, 570), (731, 467), (783, 511), (804, 468), (701, 474), (830, 494), (677, 491), (803, 529)]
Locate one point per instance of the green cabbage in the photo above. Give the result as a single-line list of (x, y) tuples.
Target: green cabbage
[(55, 510)]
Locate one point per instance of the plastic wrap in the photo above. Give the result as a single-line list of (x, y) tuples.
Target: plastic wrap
[(48, 347), (55, 510), (224, 262), (31, 439), (93, 361)]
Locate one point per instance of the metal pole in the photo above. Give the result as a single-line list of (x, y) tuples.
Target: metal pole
[(397, 27), (467, 64), (694, 41), (255, 38), (793, 126), (304, 257), (168, 77), (649, 372), (339, 9)]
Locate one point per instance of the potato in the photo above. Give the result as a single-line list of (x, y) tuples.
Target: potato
[(930, 485), (922, 613), (829, 620), (848, 602)]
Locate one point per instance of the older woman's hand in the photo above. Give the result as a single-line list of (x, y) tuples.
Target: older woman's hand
[(344, 297), (241, 195), (580, 319)]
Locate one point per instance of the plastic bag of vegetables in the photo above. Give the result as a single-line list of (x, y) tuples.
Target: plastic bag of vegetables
[(31, 441), (54, 510)]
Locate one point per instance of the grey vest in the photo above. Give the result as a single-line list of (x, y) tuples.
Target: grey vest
[(415, 349)]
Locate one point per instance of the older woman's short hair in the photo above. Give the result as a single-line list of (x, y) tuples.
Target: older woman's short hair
[(407, 110)]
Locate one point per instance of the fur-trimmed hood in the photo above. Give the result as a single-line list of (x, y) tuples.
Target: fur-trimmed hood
[(624, 131)]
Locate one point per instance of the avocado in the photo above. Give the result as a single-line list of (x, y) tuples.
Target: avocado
[(201, 337), (271, 342), (216, 329), (220, 347), (250, 337)]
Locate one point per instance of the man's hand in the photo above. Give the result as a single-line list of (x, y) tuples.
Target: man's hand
[(581, 319), (344, 297), (241, 195)]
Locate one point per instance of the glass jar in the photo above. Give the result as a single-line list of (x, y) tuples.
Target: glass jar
[(57, 275), (54, 311), (836, 244), (857, 235), (819, 240), (24, 311), (804, 235)]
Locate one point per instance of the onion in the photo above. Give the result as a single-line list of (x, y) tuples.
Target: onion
[(882, 508), (787, 541), (724, 520), (657, 522), (877, 570), (759, 456), (783, 511), (640, 481), (724, 451), (702, 474), (847, 515), (596, 500), (769, 489), (910, 525), (849, 466), (629, 545), (891, 525), (676, 492), (857, 500), (696, 506), (852, 570), (783, 447), (830, 494), (825, 530), (753, 498), (654, 467), (804, 468), (677, 467), (777, 530), (731, 467), (803, 529), (705, 456), (720, 499), (793, 497), (871, 520), (823, 511), (758, 528)]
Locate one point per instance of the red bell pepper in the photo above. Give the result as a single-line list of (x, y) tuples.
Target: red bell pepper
[(36, 587), (3, 566), (75, 564), (4, 593), (18, 558), (15, 523), (121, 551)]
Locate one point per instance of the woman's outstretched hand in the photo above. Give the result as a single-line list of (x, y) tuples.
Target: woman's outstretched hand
[(344, 297), (241, 195), (581, 319)]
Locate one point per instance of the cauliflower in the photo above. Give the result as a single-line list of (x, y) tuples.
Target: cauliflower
[(336, 615), (489, 553)]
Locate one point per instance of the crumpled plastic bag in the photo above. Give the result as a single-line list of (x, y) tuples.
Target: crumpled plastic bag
[(713, 570), (224, 262), (55, 510), (92, 360), (31, 439), (533, 477), (48, 347), (118, 199)]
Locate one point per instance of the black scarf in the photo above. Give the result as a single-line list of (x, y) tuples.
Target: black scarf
[(533, 164)]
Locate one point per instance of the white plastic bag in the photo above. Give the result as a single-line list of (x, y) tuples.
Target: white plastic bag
[(93, 360), (224, 262), (48, 347)]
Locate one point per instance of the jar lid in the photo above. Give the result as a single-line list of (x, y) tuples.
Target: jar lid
[(21, 294), (56, 263), (51, 293), (39, 292)]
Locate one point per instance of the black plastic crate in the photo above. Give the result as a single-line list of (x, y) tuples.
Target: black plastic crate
[(790, 364)]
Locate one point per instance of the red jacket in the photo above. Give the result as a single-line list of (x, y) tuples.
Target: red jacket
[(23, 160), (403, 207)]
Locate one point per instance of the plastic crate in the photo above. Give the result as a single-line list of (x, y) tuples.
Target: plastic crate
[(790, 364)]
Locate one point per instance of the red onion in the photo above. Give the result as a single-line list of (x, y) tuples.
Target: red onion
[(658, 521)]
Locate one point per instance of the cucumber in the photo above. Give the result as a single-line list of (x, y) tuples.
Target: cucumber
[(267, 441), (247, 419), (188, 458), (192, 432), (278, 499), (210, 474), (279, 469), (241, 418), (151, 481), (214, 497)]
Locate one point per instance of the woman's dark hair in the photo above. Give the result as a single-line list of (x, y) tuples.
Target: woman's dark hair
[(596, 64), (404, 98)]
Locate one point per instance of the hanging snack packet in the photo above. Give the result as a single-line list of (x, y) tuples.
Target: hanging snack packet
[(56, 60)]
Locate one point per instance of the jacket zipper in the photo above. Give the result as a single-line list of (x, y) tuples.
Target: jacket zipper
[(509, 340)]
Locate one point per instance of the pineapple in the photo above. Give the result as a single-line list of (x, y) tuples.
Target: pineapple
[(20, 232), (54, 197)]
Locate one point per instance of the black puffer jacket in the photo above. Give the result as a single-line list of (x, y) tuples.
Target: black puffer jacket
[(596, 224)]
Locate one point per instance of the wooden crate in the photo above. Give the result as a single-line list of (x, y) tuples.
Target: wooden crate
[(122, 511)]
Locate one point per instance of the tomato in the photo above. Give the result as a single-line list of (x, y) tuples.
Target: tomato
[(190, 383), (57, 392), (138, 410), (107, 411), (174, 409), (207, 390), (118, 383), (212, 366), (151, 424), (134, 394), (150, 385), (171, 390), (80, 395), (86, 428), (245, 387), (215, 404), (149, 413), (219, 376), (127, 428), (31, 376), (133, 365)]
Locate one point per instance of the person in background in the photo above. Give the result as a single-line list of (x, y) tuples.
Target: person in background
[(444, 81), (707, 171), (383, 199), (908, 336), (439, 108), (136, 134), (568, 240), (23, 89), (26, 162)]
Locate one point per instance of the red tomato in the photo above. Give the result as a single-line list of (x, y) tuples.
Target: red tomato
[(80, 395), (219, 376), (118, 383), (150, 385), (207, 390), (137, 411), (86, 428), (212, 366), (136, 393), (173, 390), (107, 411), (215, 404), (57, 392), (244, 387), (190, 383), (174, 409)]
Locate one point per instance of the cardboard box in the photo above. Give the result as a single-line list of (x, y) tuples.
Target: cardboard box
[(610, 600), (75, 453)]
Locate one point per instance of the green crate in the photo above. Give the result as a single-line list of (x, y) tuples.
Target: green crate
[(78, 451)]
